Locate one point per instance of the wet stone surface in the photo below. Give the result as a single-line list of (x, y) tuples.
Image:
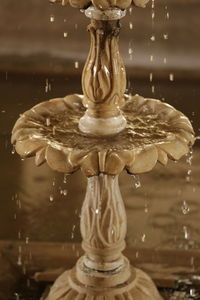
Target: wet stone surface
[(145, 127)]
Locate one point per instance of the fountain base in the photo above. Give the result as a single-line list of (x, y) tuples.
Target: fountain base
[(139, 286)]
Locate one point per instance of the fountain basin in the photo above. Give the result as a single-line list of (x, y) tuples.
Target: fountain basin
[(155, 132)]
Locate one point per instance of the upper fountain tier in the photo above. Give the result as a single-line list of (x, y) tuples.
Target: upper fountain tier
[(155, 132), (103, 4)]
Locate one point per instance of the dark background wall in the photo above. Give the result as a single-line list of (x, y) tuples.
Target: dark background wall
[(27, 34)]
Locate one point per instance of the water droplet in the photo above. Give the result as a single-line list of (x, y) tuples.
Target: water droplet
[(48, 121), (185, 208), (47, 86), (137, 183), (130, 51), (190, 157), (146, 208), (19, 204), (54, 130), (153, 38), (193, 293), (151, 77), (65, 34), (143, 238), (130, 25), (52, 18), (51, 198), (13, 150), (19, 260), (171, 77), (65, 178), (65, 192), (76, 64), (165, 36), (186, 233), (17, 296)]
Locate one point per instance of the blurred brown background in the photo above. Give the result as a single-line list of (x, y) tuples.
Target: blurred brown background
[(40, 44), (30, 42)]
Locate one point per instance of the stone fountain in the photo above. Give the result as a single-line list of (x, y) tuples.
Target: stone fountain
[(103, 132)]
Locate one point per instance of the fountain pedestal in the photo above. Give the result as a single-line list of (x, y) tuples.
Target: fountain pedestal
[(103, 272), (102, 133)]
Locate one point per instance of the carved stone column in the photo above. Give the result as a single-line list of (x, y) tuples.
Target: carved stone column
[(104, 75), (103, 228), (103, 273)]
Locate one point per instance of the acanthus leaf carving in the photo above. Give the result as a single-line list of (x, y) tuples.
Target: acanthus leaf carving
[(103, 218), (104, 76)]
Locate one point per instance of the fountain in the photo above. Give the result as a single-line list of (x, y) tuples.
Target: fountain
[(103, 132)]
